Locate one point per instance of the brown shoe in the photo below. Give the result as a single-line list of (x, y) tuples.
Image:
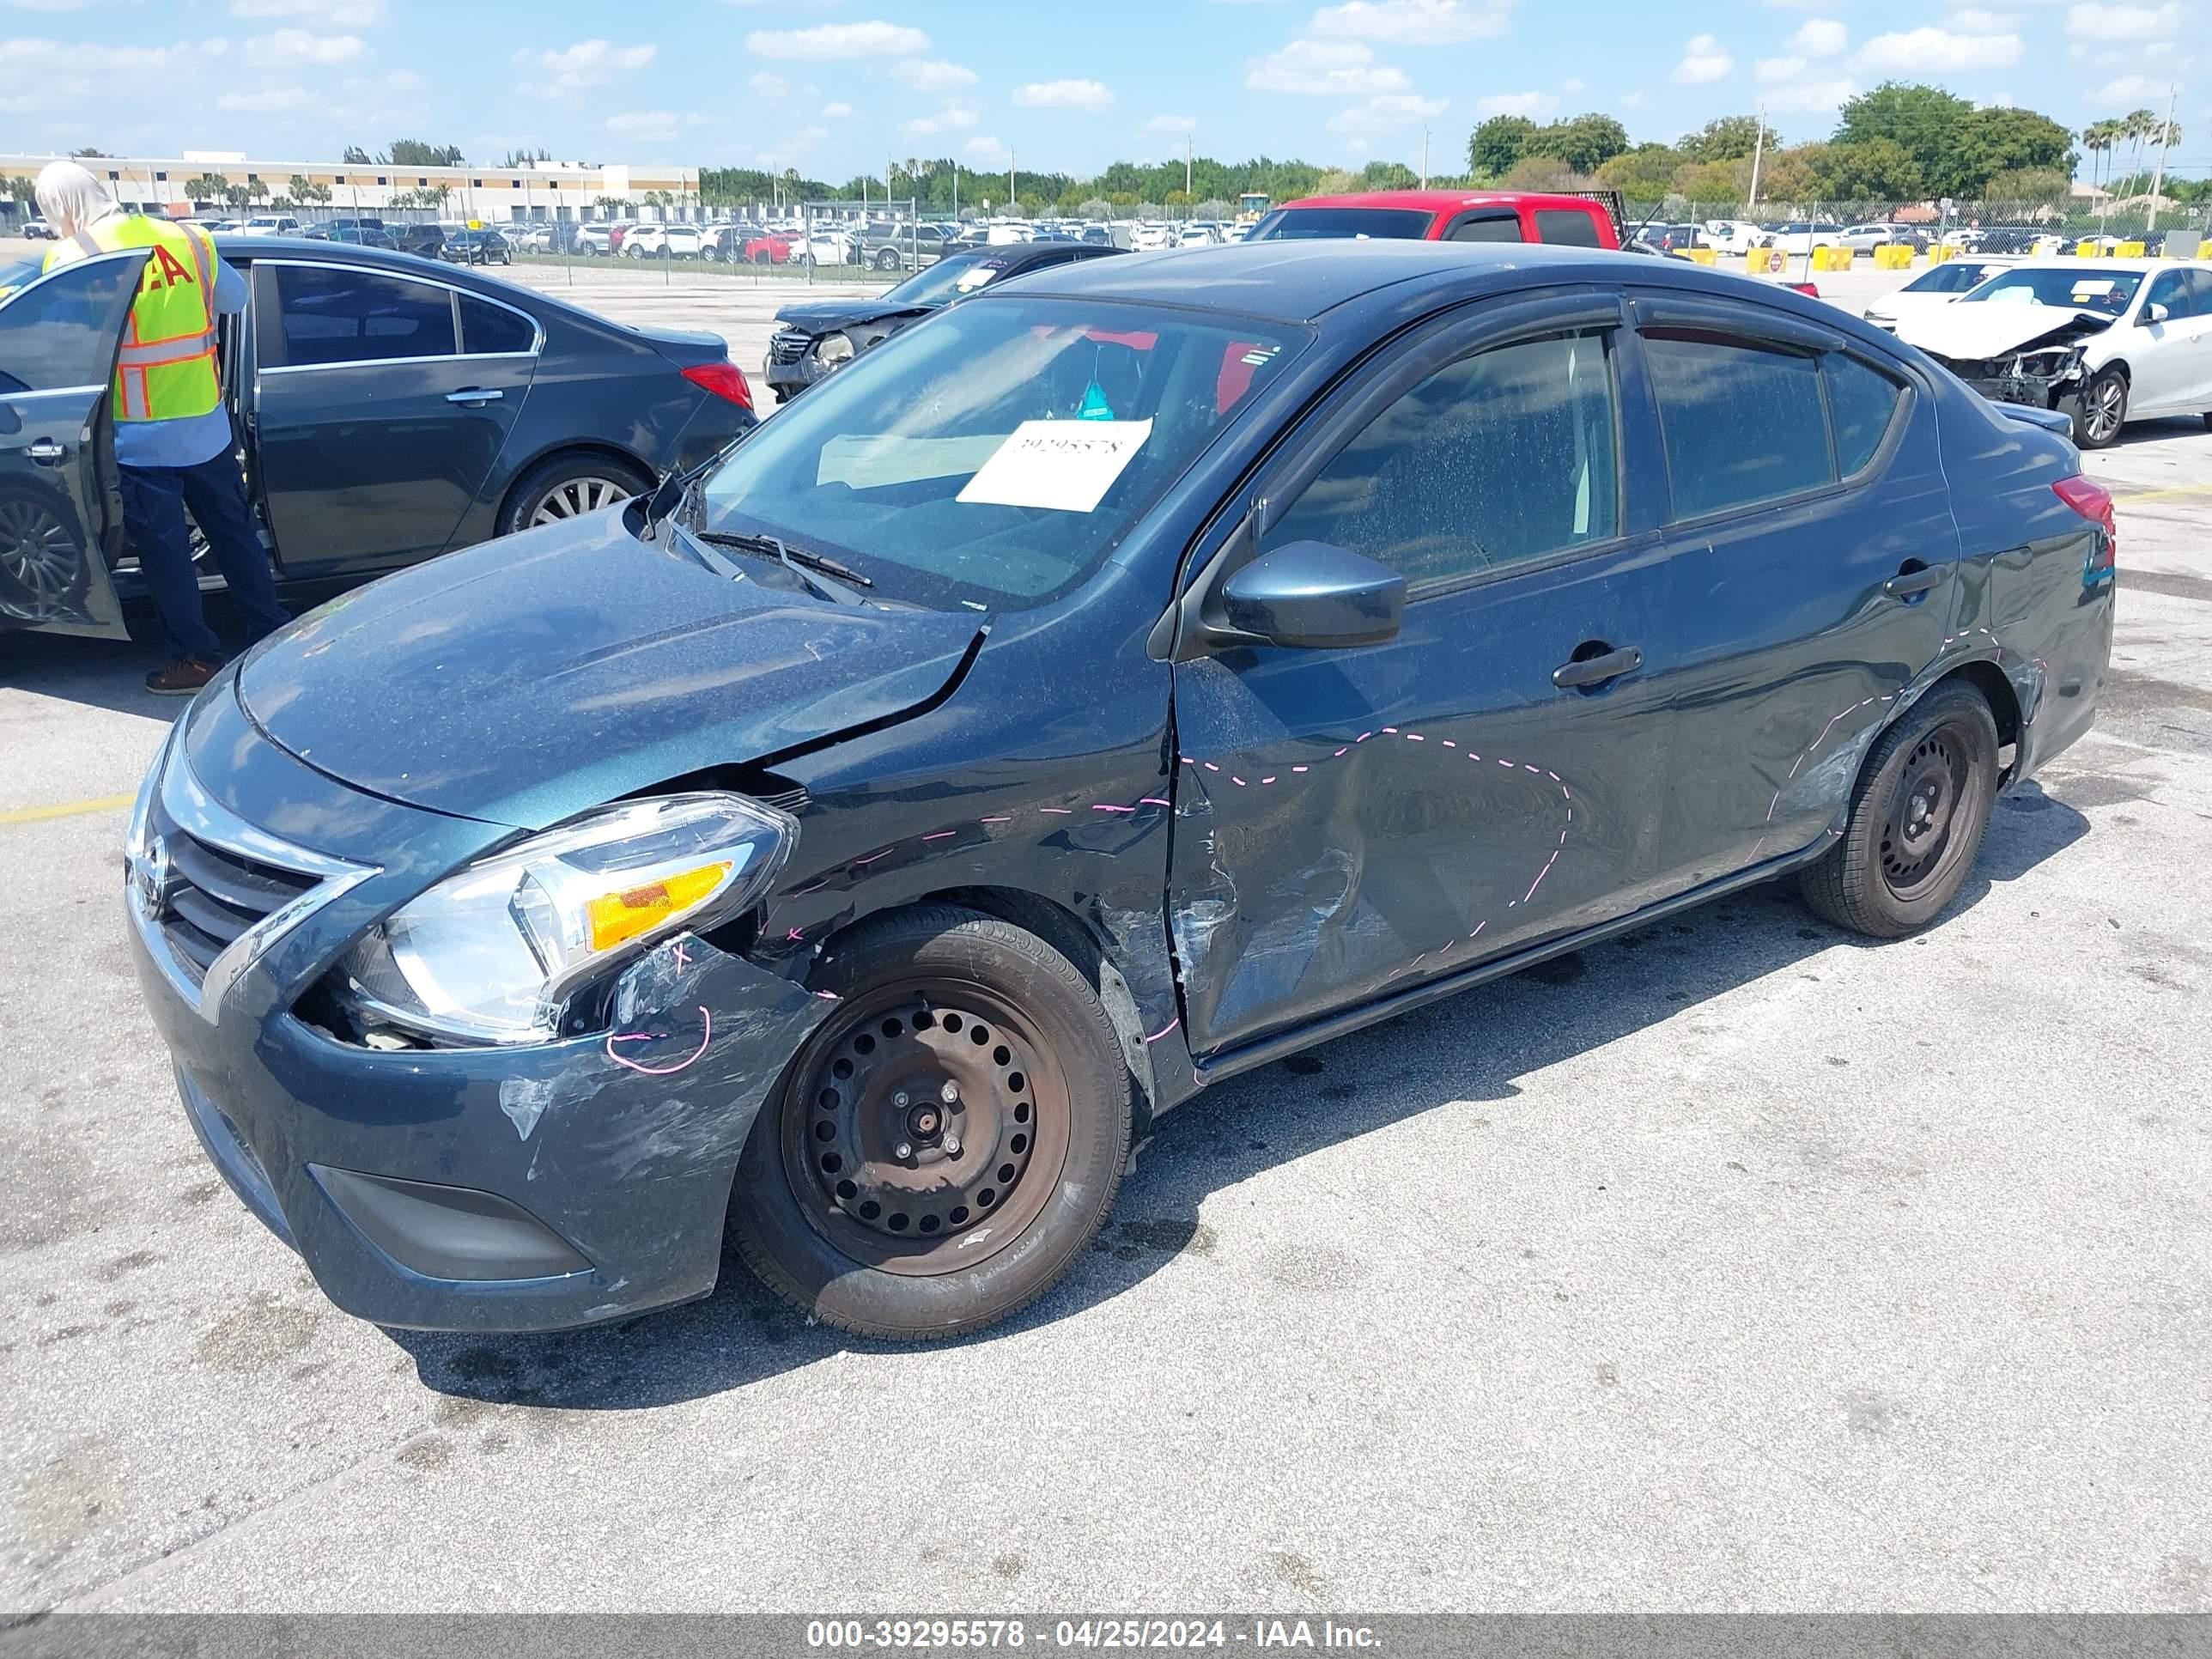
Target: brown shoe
[(181, 677)]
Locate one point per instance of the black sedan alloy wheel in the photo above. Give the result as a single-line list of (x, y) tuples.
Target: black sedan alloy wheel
[(41, 558)]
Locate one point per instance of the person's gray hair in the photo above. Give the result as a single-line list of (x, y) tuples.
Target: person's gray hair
[(71, 197)]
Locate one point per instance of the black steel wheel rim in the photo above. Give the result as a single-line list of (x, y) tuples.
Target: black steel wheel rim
[(925, 1127), (1929, 805)]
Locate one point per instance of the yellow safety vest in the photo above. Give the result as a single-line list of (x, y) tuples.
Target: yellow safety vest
[(166, 370)]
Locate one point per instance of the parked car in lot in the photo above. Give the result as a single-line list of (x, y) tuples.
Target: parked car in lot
[(851, 851), (1801, 237), (1864, 239), (269, 224), (766, 247), (36, 229), (1936, 288), (1735, 235), (595, 238), (904, 247), (1445, 215), (391, 410), (355, 236), (2103, 341), (477, 247), (425, 242), (814, 339), (1672, 239), (658, 241)]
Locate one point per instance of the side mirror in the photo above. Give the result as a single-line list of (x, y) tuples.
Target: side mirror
[(1312, 595), (2153, 312)]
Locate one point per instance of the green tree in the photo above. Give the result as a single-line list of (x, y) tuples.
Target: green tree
[(307, 194), (1388, 175), (2029, 187), (19, 188), (1584, 142), (1730, 138), (1497, 143), (1925, 121), (1993, 141), (357, 156), (207, 187), (1869, 170), (414, 153), (1793, 174), (2099, 138), (1540, 173), (1643, 174), (1716, 182)]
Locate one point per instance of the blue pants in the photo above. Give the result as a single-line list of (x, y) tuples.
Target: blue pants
[(154, 503)]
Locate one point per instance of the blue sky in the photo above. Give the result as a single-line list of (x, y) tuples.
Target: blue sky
[(833, 86)]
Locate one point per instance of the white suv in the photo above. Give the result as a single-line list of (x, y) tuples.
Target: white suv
[(657, 242)]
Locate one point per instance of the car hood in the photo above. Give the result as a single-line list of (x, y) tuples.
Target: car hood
[(823, 315), (528, 679), (1988, 328)]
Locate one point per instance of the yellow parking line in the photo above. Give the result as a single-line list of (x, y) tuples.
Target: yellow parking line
[(2178, 492), (68, 809)]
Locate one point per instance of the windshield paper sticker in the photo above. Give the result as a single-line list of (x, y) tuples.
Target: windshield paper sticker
[(1065, 465)]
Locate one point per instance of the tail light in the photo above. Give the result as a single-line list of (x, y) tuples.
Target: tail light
[(1812, 289), (724, 380), (2094, 502)]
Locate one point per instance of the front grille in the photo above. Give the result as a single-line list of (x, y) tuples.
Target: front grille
[(208, 895), (787, 345)]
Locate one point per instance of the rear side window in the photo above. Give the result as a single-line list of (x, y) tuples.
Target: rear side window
[(1486, 227), (1566, 226), (2200, 293), (333, 316), (1862, 403), (1743, 422), (63, 333), (1497, 459), (486, 327)]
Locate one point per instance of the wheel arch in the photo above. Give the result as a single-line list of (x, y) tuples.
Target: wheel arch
[(1987, 678), (555, 451)]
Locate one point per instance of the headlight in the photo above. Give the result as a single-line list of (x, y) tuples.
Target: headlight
[(835, 349), (492, 953), (142, 810)]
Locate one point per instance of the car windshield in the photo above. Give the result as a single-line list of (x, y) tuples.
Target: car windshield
[(1298, 224), (994, 456), (2108, 292), (947, 280), (1951, 277)]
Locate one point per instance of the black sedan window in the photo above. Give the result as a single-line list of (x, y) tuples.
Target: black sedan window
[(996, 455), (487, 328), (331, 315), (61, 332), (1743, 422)]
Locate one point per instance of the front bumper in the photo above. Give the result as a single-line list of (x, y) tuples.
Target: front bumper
[(518, 1188), (788, 379)]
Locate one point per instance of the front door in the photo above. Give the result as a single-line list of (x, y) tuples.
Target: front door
[(2163, 371), (1813, 558), (378, 412), (58, 336), (1353, 822)]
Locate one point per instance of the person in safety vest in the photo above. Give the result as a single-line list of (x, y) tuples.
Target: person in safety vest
[(173, 445)]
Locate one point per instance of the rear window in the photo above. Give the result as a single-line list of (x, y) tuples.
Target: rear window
[(1951, 277), (1317, 223), (1743, 422), (1568, 226)]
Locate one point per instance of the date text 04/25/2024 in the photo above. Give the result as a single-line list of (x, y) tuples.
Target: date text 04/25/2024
[(1120, 1633)]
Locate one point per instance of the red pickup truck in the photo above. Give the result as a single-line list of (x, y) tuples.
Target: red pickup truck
[(1447, 215)]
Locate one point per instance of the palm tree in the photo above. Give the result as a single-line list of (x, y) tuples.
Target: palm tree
[(2098, 138), (208, 188), (2136, 126)]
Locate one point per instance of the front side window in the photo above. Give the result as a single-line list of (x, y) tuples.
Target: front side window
[(328, 315), (61, 332), (2170, 289), (1743, 422), (1500, 458)]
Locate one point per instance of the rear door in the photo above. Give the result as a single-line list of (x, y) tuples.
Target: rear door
[(1812, 555), (381, 403), (1351, 823), (58, 336)]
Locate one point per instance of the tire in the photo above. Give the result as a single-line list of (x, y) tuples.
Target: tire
[(832, 1216), (1937, 768), (566, 486), (2102, 411), (761, 257), (888, 260)]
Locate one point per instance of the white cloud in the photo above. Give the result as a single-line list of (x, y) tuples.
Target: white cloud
[(1975, 20), (49, 5), (1386, 114), (827, 42), (1095, 96), (836, 112), (646, 125), (1810, 97), (327, 13), (1517, 103), (1573, 87), (1925, 51), (269, 101), (1703, 60), (570, 70), (1819, 37), (2128, 89), (1781, 69), (933, 75), (1413, 22), (765, 83), (54, 76), (985, 149), (953, 117), (1344, 67), (1170, 127), (289, 46), (2123, 22), (1632, 101)]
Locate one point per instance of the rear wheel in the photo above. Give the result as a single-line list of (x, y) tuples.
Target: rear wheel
[(1916, 821), (947, 1143), (2103, 410), (566, 487), (887, 259)]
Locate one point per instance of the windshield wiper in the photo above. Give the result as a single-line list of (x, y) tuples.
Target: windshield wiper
[(810, 568)]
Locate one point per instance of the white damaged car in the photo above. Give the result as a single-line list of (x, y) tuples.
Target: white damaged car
[(1935, 288), (2104, 341)]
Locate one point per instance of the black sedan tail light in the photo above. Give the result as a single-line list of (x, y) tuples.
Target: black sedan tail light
[(724, 380)]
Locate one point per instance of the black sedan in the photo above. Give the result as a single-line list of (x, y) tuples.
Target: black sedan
[(390, 410), (477, 247), (819, 337), (1129, 679)]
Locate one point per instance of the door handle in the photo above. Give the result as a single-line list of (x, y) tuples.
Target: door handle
[(1905, 583), (1584, 672), (475, 394), (46, 452)]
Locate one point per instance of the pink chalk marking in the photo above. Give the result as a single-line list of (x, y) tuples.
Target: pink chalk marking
[(1154, 800), (1058, 811), (1165, 1028), (997, 820), (1211, 767), (1300, 768), (1540, 874), (1507, 764), (941, 834), (1098, 807), (829, 996), (705, 1037), (872, 857), (793, 936), (1480, 926), (1391, 729), (1345, 750), (1447, 742), (1525, 767), (1415, 737), (1238, 781), (683, 954), (1187, 761), (1267, 780), (1362, 736)]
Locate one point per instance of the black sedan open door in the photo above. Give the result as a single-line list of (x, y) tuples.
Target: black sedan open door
[(58, 335)]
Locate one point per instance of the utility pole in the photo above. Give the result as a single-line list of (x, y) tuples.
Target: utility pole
[(1424, 158), (1012, 201), (1758, 154), (1185, 165), (956, 191), (2157, 178)]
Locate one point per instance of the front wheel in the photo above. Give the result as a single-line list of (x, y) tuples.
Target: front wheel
[(2103, 410), (1917, 820), (888, 260), (949, 1140)]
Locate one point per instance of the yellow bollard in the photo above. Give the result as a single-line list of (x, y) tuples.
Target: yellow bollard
[(1894, 256), (2128, 250), (1705, 256), (2087, 249), (1938, 252)]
